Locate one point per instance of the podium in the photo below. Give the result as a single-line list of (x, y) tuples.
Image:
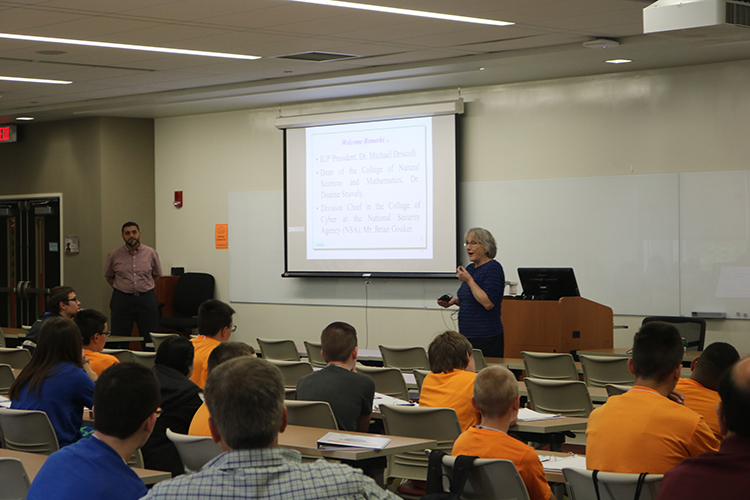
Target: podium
[(565, 325)]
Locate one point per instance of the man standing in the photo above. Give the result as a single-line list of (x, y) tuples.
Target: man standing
[(133, 270), (61, 301)]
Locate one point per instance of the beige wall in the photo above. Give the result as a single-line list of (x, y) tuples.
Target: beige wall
[(104, 169), (673, 120)]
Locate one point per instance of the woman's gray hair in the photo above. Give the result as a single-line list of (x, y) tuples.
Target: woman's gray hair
[(484, 237)]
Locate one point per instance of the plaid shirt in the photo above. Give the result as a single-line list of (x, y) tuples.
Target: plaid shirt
[(270, 473)]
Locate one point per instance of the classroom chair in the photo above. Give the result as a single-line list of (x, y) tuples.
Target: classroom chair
[(616, 390), (292, 371), (158, 338), (14, 479), (2, 338), (568, 397), (147, 359), (314, 355), (6, 378), (122, 355), (283, 350), (419, 376), (549, 365), (311, 414), (693, 330), (28, 430), (388, 381), (191, 290), (195, 451), (489, 479), (612, 485), (479, 361), (404, 358), (598, 371), (16, 358)]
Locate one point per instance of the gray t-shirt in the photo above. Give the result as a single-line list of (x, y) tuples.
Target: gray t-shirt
[(349, 394)]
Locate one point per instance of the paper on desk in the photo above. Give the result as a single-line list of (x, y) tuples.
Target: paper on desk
[(382, 399), (554, 463), (4, 402), (338, 439), (527, 415)]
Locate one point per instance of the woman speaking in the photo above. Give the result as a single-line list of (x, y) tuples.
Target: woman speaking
[(480, 295)]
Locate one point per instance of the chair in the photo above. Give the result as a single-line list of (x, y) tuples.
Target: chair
[(28, 430), (191, 290), (440, 424), (14, 479), (292, 371), (404, 358), (158, 338), (612, 485), (284, 350), (195, 451), (290, 393), (549, 365), (137, 459), (122, 355), (2, 338), (693, 330), (147, 359), (16, 358), (598, 371), (311, 414), (479, 361), (567, 397), (490, 479), (616, 390), (419, 376), (314, 355), (388, 381), (6, 378)]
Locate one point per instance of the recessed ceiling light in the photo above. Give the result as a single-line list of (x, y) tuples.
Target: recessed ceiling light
[(481, 69), (406, 12), (618, 61), (33, 80), (24, 118), (125, 46)]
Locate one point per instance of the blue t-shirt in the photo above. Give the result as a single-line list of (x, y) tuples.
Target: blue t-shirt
[(63, 395), (474, 321), (89, 468)]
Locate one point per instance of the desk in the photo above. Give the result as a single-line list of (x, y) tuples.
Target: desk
[(688, 357), (550, 475), (32, 462), (20, 333)]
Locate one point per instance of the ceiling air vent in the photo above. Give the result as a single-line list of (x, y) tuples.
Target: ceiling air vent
[(706, 21), (318, 56)]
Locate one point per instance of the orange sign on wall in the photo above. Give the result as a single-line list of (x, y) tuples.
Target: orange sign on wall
[(222, 236)]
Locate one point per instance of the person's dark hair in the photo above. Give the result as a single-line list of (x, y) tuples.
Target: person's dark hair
[(89, 322), (449, 351), (735, 401), (714, 361), (128, 224), (125, 395), (56, 295), (213, 316), (176, 353), (338, 340), (245, 398), (59, 342), (657, 351), (226, 351)]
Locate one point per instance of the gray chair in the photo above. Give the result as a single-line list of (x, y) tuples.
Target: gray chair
[(612, 485), (146, 359), (404, 358), (16, 358), (388, 381), (15, 483), (616, 390), (314, 355), (195, 451), (693, 330), (419, 376), (311, 414), (598, 371), (28, 430), (292, 371), (549, 365), (479, 361), (6, 378), (567, 397), (283, 350), (158, 338), (122, 355), (490, 479), (2, 338)]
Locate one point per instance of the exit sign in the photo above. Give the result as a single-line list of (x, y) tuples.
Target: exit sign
[(7, 133)]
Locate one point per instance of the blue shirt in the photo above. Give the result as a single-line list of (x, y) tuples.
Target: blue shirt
[(474, 321), (89, 468), (64, 393)]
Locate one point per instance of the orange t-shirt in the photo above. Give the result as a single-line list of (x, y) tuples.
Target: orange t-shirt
[(488, 443), (199, 424), (203, 346), (100, 361), (702, 401), (643, 431), (451, 390)]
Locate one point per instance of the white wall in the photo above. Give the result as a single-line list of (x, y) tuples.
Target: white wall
[(673, 120)]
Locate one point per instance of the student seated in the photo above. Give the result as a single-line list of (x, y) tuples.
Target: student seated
[(58, 380), (93, 326), (245, 397), (496, 398), (451, 383), (223, 352), (700, 390), (644, 430), (125, 402), (214, 327), (61, 301)]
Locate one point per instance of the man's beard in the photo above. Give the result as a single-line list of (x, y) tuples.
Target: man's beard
[(132, 243)]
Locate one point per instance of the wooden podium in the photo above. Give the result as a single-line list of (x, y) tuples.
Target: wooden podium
[(565, 325)]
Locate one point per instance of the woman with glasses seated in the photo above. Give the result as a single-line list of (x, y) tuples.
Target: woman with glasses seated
[(94, 335), (481, 294), (58, 380)]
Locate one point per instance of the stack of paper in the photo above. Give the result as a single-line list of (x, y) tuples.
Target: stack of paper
[(554, 463), (334, 440), (382, 399), (527, 415)]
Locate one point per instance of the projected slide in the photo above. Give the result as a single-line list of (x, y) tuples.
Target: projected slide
[(369, 190)]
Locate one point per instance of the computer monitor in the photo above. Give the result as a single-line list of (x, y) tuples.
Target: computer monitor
[(548, 283)]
